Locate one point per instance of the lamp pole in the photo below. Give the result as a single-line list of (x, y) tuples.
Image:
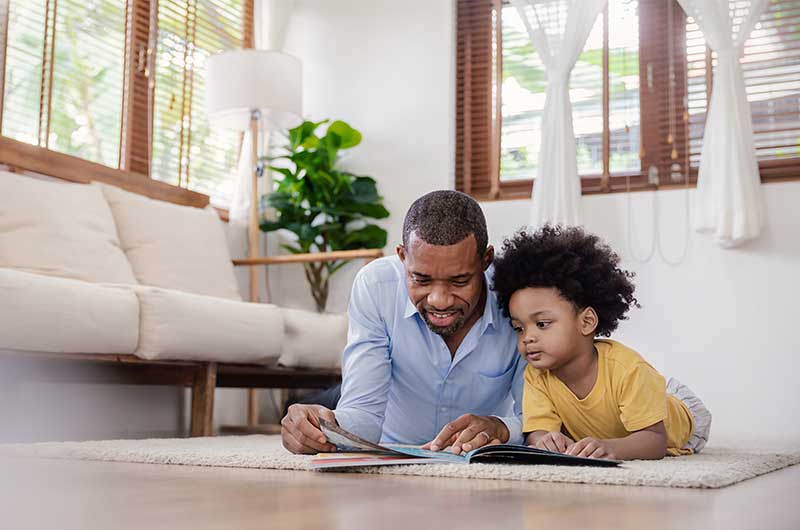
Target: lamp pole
[(253, 229)]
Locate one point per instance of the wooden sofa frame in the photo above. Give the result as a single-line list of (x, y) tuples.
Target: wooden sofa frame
[(201, 377)]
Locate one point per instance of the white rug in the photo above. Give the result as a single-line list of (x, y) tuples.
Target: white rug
[(714, 468)]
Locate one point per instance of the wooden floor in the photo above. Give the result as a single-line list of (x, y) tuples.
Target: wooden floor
[(56, 494)]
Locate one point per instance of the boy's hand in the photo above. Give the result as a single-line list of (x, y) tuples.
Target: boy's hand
[(554, 441), (592, 448)]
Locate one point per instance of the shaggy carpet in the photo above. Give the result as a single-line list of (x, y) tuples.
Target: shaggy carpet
[(713, 468)]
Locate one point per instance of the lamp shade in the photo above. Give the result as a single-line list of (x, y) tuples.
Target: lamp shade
[(239, 82)]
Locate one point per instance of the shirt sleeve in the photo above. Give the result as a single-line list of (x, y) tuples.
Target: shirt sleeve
[(538, 411), (514, 423), (642, 397), (366, 365)]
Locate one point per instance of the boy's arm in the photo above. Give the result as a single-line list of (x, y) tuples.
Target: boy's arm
[(649, 443)]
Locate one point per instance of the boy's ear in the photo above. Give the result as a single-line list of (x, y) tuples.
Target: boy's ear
[(588, 321)]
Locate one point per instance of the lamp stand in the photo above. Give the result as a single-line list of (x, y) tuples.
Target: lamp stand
[(253, 246)]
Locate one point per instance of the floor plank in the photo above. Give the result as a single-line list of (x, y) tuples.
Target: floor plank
[(43, 494)]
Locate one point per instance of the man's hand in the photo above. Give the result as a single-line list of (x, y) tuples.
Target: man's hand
[(300, 429), (592, 448), (555, 441), (468, 432)]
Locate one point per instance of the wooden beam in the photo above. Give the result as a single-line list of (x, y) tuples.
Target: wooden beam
[(319, 257), (256, 376), (27, 157)]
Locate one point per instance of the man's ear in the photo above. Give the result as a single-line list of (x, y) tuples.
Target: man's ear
[(401, 252), (488, 257), (588, 321)]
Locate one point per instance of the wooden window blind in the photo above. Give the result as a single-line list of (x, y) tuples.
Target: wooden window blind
[(63, 76), (477, 150), (639, 92), (186, 151)]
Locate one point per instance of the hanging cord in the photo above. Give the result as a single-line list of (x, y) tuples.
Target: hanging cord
[(672, 139), (656, 240)]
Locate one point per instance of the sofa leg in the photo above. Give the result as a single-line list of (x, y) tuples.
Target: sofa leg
[(205, 381)]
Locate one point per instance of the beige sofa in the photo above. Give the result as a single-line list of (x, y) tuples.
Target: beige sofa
[(93, 269)]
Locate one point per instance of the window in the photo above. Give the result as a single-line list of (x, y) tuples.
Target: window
[(643, 58), (771, 66), (186, 151), (121, 83), (63, 77)]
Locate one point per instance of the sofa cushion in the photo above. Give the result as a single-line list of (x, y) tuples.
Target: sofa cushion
[(313, 340), (46, 314), (178, 325), (173, 246), (59, 229)]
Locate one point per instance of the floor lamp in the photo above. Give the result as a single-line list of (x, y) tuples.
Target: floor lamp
[(254, 90)]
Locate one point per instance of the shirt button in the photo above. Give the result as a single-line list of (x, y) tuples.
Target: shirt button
[(443, 409)]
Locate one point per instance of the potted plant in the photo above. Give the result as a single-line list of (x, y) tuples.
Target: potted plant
[(325, 208)]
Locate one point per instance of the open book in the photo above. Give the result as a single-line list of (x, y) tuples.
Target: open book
[(353, 451)]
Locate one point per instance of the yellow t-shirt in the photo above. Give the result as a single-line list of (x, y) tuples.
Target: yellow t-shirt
[(629, 395)]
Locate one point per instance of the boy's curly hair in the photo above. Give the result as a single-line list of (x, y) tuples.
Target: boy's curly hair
[(580, 265)]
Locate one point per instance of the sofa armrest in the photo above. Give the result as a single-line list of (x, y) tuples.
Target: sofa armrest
[(368, 254)]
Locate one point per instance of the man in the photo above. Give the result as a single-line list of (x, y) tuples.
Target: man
[(429, 358)]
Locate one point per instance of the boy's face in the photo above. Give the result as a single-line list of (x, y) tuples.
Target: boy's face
[(550, 330)]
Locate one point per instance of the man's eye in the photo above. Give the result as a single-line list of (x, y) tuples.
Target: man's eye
[(542, 324), (422, 281), (460, 283)]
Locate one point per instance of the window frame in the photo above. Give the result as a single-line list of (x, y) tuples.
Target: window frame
[(653, 61)]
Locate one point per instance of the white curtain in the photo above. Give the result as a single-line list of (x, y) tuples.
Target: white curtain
[(558, 30), (271, 22), (729, 202)]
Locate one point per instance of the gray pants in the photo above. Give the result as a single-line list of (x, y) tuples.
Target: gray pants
[(700, 414)]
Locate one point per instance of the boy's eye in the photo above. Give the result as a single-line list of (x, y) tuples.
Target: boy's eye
[(517, 329), (542, 324)]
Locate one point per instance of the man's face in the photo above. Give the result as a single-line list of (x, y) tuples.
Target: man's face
[(445, 282)]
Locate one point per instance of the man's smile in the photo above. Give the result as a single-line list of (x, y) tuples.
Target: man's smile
[(441, 319)]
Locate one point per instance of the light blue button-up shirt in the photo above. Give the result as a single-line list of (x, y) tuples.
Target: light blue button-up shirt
[(400, 384)]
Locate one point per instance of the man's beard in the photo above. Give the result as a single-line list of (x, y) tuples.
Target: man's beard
[(447, 330)]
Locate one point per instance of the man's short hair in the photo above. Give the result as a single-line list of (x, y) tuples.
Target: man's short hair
[(446, 217)]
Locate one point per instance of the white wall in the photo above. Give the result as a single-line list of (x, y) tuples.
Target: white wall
[(721, 321), (384, 67)]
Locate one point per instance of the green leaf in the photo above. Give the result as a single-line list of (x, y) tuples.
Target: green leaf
[(350, 137), (376, 211), (328, 147), (310, 142), (286, 172), (280, 201), (371, 236), (364, 190), (270, 226), (302, 132)]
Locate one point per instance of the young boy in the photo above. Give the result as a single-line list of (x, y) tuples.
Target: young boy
[(583, 395)]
